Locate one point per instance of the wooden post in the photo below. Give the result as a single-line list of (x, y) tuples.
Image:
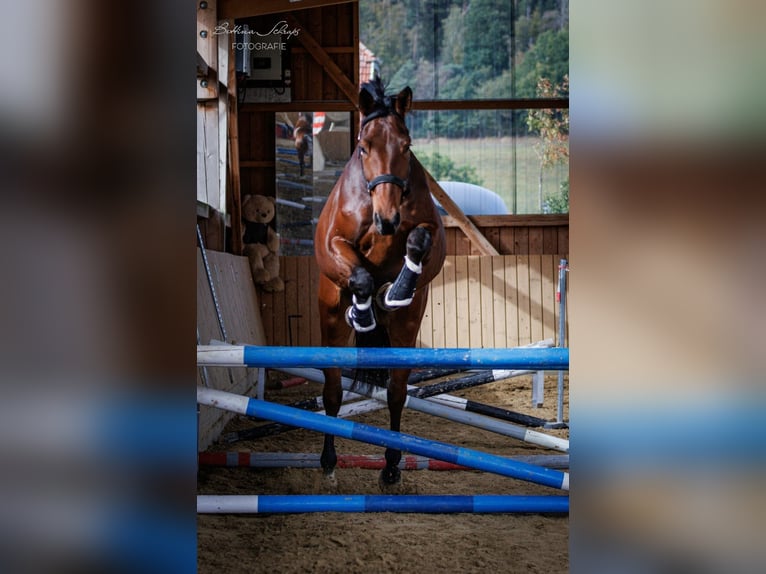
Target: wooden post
[(466, 225)]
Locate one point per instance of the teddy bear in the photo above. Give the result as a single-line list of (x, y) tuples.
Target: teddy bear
[(261, 241)]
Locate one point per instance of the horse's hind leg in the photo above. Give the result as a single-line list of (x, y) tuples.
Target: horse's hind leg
[(401, 292), (332, 396), (335, 333), (397, 393)]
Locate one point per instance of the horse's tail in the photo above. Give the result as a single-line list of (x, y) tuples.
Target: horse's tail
[(378, 337)]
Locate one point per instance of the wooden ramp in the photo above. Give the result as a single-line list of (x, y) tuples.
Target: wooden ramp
[(241, 317)]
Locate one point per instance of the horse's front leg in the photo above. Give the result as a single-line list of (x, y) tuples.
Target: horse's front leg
[(401, 291)]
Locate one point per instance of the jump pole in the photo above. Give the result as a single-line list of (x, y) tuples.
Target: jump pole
[(435, 504), (239, 459), (432, 408), (428, 392), (382, 437), (538, 359)]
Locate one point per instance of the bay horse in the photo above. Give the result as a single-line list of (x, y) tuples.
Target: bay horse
[(302, 136), (379, 242)]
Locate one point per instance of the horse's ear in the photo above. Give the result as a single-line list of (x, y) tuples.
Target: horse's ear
[(404, 101), (366, 102)]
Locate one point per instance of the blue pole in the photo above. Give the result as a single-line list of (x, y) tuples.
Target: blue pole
[(551, 359), (382, 437), (436, 504)]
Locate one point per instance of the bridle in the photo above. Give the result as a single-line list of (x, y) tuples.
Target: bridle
[(386, 177)]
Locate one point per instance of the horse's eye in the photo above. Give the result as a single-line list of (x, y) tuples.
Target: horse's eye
[(362, 150)]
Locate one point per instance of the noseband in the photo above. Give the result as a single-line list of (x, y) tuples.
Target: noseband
[(390, 178), (386, 177)]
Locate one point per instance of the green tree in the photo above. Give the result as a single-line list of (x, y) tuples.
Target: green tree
[(553, 127), (488, 25), (376, 21), (548, 58), (452, 49)]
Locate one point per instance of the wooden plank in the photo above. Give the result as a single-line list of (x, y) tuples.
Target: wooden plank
[(499, 301), (550, 240), (223, 138), (279, 303), (267, 315), (512, 301), (507, 245), (207, 153), (549, 279), (536, 297), (436, 301), (305, 296), (524, 301), (558, 259), (487, 314), (316, 330), (450, 303), (535, 240), (563, 240), (462, 302), (293, 308), (474, 301), (201, 177), (493, 236), (234, 167), (425, 337), (207, 49), (521, 240)]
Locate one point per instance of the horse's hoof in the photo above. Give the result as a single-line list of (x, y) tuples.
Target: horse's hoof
[(390, 479), (330, 481)]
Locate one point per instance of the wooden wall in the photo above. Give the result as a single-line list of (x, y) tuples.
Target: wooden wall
[(512, 234), (476, 301), (323, 79)]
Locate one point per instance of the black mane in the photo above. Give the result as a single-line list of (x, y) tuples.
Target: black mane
[(383, 104)]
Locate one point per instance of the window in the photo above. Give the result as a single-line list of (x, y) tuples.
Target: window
[(480, 71)]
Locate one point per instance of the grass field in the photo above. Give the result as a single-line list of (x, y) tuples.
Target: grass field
[(494, 163)]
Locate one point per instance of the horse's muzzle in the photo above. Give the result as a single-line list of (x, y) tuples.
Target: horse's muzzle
[(386, 226)]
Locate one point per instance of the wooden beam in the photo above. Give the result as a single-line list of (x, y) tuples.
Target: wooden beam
[(510, 220), (506, 104), (301, 106), (233, 148), (202, 67), (462, 221), (323, 59), (207, 52), (249, 8)]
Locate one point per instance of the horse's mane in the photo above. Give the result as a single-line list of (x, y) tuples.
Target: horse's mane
[(383, 104)]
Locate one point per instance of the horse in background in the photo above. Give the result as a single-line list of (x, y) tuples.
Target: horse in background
[(302, 137), (379, 242)]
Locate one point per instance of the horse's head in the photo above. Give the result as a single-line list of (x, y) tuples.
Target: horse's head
[(384, 152)]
